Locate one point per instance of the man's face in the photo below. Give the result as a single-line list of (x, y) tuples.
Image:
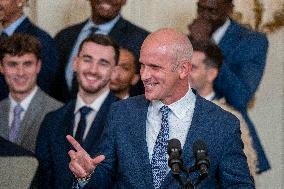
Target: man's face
[(106, 10), (10, 10), (20, 73), (198, 78), (158, 74), (93, 67), (214, 11), (124, 75)]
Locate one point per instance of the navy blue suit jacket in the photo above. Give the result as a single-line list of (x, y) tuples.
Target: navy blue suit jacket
[(125, 34), (49, 58), (244, 61), (52, 147), (127, 163)]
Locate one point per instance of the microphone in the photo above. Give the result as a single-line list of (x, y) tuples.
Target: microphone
[(202, 162), (174, 151)]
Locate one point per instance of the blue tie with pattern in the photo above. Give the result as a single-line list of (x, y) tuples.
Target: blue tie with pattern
[(84, 111), (159, 159)]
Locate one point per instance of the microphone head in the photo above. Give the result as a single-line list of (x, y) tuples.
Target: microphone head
[(173, 144), (201, 157), (199, 146), (174, 150)]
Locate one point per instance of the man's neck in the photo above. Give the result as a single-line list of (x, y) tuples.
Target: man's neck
[(19, 97), (122, 94), (89, 98)]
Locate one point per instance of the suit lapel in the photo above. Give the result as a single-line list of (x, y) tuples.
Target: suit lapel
[(138, 139), (195, 132), (95, 132), (30, 119), (4, 118), (24, 26), (230, 38), (118, 31)]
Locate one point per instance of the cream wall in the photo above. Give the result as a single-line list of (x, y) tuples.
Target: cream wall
[(154, 14)]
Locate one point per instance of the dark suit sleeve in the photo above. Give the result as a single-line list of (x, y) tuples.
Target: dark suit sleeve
[(43, 153), (105, 172), (242, 70), (234, 172)]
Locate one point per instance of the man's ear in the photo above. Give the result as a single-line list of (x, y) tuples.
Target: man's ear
[(212, 74), (135, 79), (1, 65), (75, 64), (184, 69), (39, 63)]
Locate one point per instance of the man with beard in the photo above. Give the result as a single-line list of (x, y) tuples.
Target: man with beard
[(244, 53), (13, 21), (125, 75), (83, 118), (105, 19)]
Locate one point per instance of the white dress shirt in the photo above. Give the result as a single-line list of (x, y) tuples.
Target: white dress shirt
[(180, 118), (220, 32), (95, 105), (24, 104)]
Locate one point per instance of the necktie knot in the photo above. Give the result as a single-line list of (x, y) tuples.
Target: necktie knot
[(18, 109), (93, 30), (85, 111)]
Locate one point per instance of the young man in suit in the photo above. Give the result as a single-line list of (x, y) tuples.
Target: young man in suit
[(125, 74), (138, 129), (244, 53), (206, 62), (105, 19), (13, 21), (23, 111), (83, 118)]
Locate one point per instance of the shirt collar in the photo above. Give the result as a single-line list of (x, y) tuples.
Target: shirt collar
[(180, 107), (220, 32), (95, 105), (104, 28), (24, 103), (210, 96), (11, 29)]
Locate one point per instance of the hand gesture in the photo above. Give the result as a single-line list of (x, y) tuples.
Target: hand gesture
[(81, 164)]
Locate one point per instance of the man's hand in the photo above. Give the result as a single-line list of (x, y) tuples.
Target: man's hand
[(200, 29), (81, 164)]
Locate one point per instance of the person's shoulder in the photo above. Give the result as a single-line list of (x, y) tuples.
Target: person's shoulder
[(215, 112), (4, 101), (60, 112), (70, 30), (131, 102), (249, 33), (133, 27), (49, 101), (36, 31)]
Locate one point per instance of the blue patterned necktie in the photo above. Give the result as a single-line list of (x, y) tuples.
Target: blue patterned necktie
[(84, 111), (159, 159), (16, 123)]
